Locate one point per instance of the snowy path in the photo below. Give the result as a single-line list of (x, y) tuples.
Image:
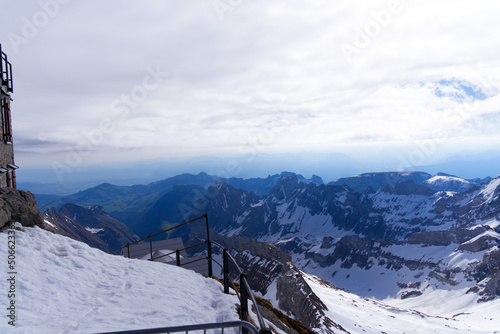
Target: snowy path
[(64, 286)]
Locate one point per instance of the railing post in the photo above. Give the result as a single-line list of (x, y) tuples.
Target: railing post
[(150, 248), (1, 65), (178, 257), (209, 249), (225, 263), (244, 301)]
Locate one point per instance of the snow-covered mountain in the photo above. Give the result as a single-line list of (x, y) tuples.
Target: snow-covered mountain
[(377, 181), (406, 239), (399, 241), (445, 182), (354, 239), (396, 241), (65, 286)]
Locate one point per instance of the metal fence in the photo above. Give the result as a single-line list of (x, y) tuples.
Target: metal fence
[(5, 71), (237, 326), (148, 249)]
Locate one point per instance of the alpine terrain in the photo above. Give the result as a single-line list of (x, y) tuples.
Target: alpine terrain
[(399, 245)]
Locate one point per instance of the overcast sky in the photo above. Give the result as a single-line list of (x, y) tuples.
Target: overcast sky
[(101, 81)]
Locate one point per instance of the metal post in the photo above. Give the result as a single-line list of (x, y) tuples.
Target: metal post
[(244, 301), (1, 64), (178, 257), (150, 248), (225, 263), (11, 82), (209, 249)]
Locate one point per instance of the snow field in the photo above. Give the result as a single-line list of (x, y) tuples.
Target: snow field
[(489, 191), (363, 315), (65, 286)]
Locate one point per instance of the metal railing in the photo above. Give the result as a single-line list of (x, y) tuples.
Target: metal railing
[(241, 325), (244, 293), (177, 252), (5, 71)]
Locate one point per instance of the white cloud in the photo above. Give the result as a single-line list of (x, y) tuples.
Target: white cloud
[(271, 74)]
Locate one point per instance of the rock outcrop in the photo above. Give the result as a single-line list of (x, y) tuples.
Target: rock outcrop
[(297, 298), (18, 206), (274, 276)]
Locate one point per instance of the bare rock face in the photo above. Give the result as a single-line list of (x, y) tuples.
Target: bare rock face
[(493, 285), (18, 206), (267, 266), (296, 297)]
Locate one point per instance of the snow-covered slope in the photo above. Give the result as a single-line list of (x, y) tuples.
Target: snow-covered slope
[(448, 183), (65, 286), (385, 242), (440, 312)]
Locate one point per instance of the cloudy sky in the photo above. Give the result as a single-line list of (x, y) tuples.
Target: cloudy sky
[(390, 84)]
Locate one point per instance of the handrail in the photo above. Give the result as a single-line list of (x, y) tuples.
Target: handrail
[(245, 290), (175, 251), (150, 237), (204, 327), (157, 234), (230, 256), (244, 287)]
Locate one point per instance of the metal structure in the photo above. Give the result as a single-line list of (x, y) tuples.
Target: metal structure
[(6, 72), (244, 294), (245, 290), (126, 250), (240, 325), (7, 165)]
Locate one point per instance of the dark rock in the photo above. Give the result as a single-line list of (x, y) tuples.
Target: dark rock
[(297, 298), (378, 181), (19, 206), (482, 243), (408, 188), (265, 264), (493, 285), (436, 238), (412, 293)]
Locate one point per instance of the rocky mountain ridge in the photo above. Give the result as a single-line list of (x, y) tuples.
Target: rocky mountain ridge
[(343, 235), (378, 181), (273, 276), (396, 238)]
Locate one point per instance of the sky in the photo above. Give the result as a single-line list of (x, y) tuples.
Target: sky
[(243, 87)]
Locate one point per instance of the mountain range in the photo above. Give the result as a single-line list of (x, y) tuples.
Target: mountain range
[(397, 235)]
